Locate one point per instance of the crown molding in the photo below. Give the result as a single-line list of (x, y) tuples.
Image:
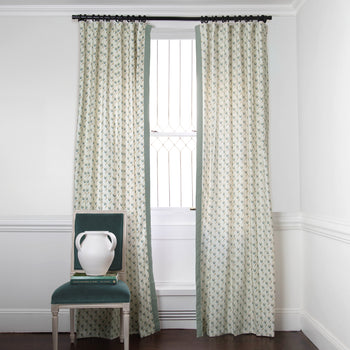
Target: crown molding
[(178, 10), (297, 5)]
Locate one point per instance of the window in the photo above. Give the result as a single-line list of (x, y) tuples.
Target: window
[(173, 123)]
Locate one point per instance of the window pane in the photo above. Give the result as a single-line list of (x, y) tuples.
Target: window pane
[(173, 171), (173, 123)]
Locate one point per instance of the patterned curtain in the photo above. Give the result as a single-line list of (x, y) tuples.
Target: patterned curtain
[(112, 158), (235, 260)]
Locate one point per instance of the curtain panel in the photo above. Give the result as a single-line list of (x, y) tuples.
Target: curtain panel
[(235, 259), (112, 158)]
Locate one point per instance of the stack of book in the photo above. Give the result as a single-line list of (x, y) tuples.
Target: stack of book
[(82, 278)]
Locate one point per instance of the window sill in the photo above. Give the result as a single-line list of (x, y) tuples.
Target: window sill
[(173, 217)]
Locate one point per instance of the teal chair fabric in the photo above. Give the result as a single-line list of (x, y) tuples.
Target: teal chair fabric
[(80, 296)]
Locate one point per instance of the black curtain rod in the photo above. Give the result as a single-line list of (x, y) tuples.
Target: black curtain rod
[(202, 19)]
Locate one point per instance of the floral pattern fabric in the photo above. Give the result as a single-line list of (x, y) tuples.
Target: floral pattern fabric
[(235, 260), (111, 158)]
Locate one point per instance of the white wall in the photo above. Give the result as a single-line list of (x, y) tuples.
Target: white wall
[(324, 72), (39, 67), (284, 146), (323, 32)]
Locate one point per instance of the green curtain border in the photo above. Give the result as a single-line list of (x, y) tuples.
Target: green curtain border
[(147, 174), (199, 181)]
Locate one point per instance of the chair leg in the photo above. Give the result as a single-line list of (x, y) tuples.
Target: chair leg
[(54, 311), (126, 317), (72, 334), (121, 337)]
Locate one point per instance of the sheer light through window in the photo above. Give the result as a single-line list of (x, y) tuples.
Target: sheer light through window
[(173, 123)]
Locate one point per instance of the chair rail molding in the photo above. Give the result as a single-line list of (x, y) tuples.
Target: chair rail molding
[(36, 224), (286, 221), (281, 220), (329, 227), (332, 228)]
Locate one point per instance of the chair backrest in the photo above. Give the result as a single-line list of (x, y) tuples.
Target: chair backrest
[(96, 220)]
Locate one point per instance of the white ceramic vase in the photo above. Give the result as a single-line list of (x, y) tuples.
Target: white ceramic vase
[(96, 252)]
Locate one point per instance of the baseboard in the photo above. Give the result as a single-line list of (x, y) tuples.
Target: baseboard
[(31, 320), (287, 319), (39, 320), (320, 335)]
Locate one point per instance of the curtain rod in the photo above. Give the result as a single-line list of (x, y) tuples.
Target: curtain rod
[(202, 19)]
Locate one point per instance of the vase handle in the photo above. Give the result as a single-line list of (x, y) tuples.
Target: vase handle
[(113, 239), (78, 239)]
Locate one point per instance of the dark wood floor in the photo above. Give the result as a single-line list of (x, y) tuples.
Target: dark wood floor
[(169, 339)]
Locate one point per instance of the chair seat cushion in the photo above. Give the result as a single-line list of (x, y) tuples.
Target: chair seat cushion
[(91, 293)]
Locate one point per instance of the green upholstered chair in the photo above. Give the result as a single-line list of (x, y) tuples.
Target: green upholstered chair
[(84, 296)]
